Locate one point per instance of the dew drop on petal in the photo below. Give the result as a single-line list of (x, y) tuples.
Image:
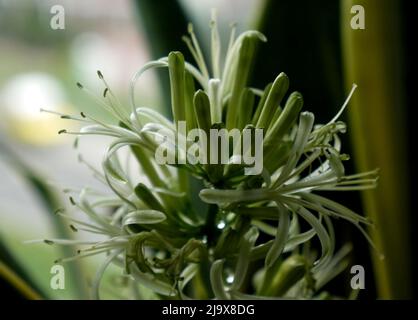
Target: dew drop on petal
[(221, 225)]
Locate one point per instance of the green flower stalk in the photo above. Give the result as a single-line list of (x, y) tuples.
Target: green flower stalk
[(250, 242)]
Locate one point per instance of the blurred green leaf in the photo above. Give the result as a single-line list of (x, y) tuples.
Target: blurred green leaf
[(13, 272), (51, 203), (373, 60)]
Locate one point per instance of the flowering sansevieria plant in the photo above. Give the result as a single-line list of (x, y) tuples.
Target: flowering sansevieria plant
[(258, 165)]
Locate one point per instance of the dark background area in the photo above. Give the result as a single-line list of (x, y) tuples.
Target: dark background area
[(312, 60)]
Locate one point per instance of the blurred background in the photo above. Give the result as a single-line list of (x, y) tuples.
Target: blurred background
[(313, 42)]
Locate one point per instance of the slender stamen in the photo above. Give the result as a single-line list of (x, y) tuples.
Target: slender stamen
[(201, 59), (353, 88)]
